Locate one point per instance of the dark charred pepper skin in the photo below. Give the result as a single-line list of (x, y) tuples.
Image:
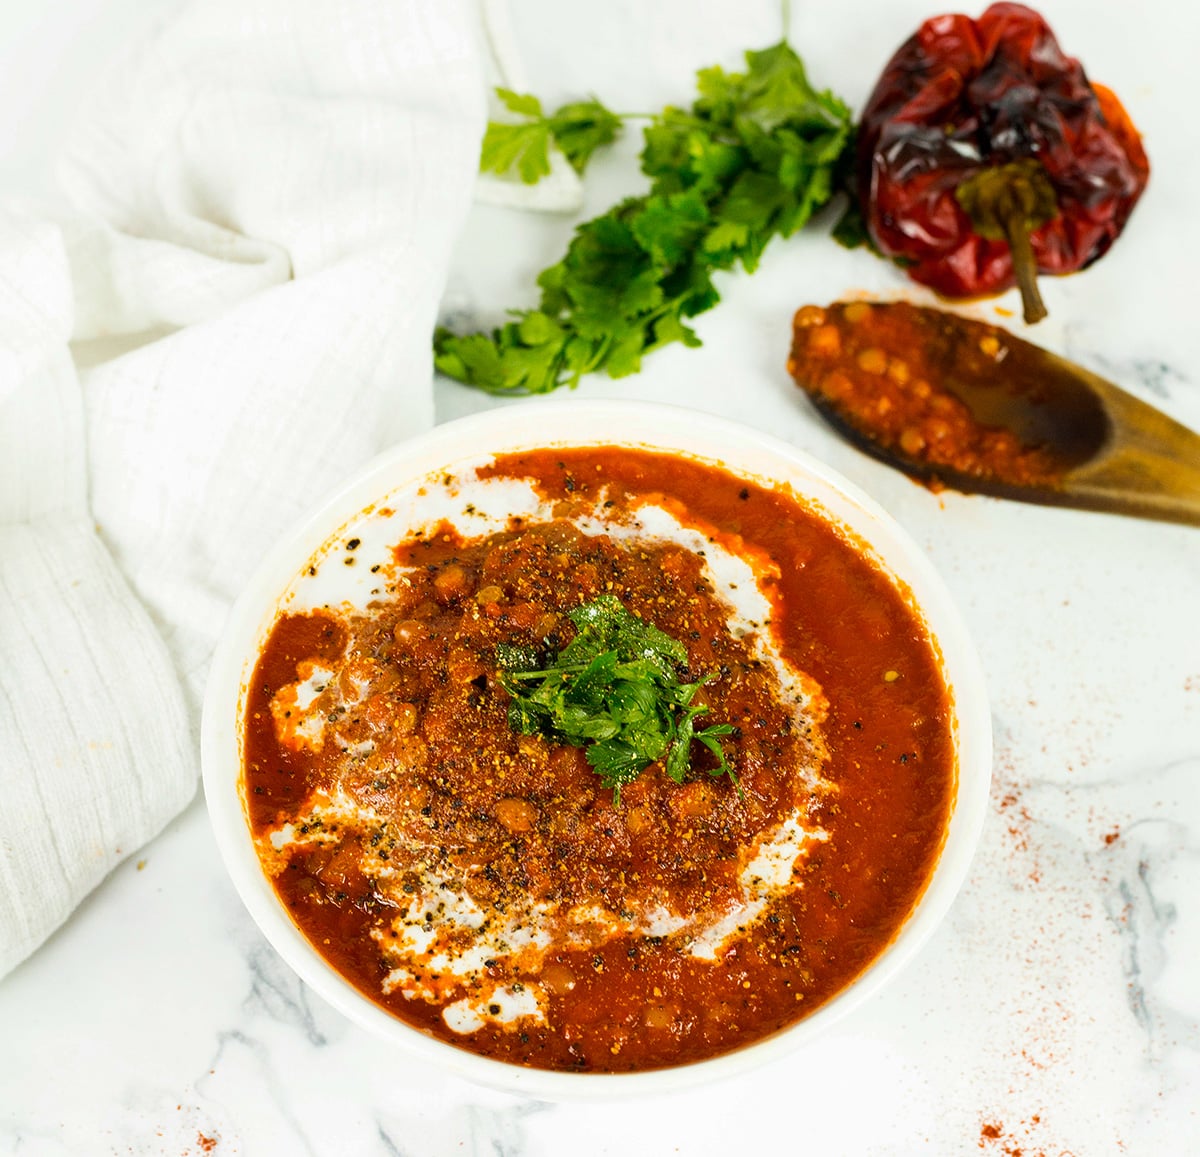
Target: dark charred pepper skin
[(963, 95)]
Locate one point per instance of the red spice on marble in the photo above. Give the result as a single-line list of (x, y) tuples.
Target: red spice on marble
[(1019, 821), (997, 1139)]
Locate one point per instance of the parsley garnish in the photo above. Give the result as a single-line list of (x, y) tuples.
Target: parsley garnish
[(614, 691), (751, 160), (578, 129)]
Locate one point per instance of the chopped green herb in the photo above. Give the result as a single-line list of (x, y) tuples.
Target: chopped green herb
[(511, 657), (752, 159), (614, 691)]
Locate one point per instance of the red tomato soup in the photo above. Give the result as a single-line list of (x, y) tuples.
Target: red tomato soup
[(484, 886)]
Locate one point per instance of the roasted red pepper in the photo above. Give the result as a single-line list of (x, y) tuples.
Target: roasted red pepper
[(985, 156)]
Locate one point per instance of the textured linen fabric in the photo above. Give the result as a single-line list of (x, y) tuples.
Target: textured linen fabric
[(264, 199)]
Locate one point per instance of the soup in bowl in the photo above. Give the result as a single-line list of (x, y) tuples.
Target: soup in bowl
[(596, 748)]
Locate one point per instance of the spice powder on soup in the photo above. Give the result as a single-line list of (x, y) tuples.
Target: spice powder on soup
[(482, 885)]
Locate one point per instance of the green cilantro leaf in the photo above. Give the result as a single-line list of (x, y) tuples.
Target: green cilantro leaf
[(511, 657), (776, 89), (523, 146), (667, 228), (581, 128), (520, 103)]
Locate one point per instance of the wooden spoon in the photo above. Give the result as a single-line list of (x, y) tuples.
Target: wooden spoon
[(1014, 420)]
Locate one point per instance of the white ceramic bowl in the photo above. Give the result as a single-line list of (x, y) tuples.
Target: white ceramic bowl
[(743, 451)]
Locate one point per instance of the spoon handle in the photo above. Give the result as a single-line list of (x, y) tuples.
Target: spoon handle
[(1150, 467)]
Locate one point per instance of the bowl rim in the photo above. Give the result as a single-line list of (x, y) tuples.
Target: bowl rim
[(468, 440)]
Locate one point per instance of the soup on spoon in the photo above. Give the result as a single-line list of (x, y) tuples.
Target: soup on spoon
[(955, 402)]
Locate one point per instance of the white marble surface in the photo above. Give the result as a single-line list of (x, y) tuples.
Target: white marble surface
[(1061, 1000)]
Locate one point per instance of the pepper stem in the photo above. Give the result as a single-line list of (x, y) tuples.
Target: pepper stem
[(1007, 203), (1024, 269)]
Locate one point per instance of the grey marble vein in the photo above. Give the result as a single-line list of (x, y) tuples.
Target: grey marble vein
[(280, 994)]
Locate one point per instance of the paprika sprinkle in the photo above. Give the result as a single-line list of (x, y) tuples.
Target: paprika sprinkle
[(985, 156)]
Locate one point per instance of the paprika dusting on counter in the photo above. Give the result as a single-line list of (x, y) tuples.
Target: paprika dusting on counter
[(486, 886), (985, 157)]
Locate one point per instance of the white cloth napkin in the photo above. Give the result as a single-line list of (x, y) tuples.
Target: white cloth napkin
[(265, 198)]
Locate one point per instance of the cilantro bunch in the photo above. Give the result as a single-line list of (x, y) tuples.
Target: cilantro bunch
[(614, 691), (752, 159)]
